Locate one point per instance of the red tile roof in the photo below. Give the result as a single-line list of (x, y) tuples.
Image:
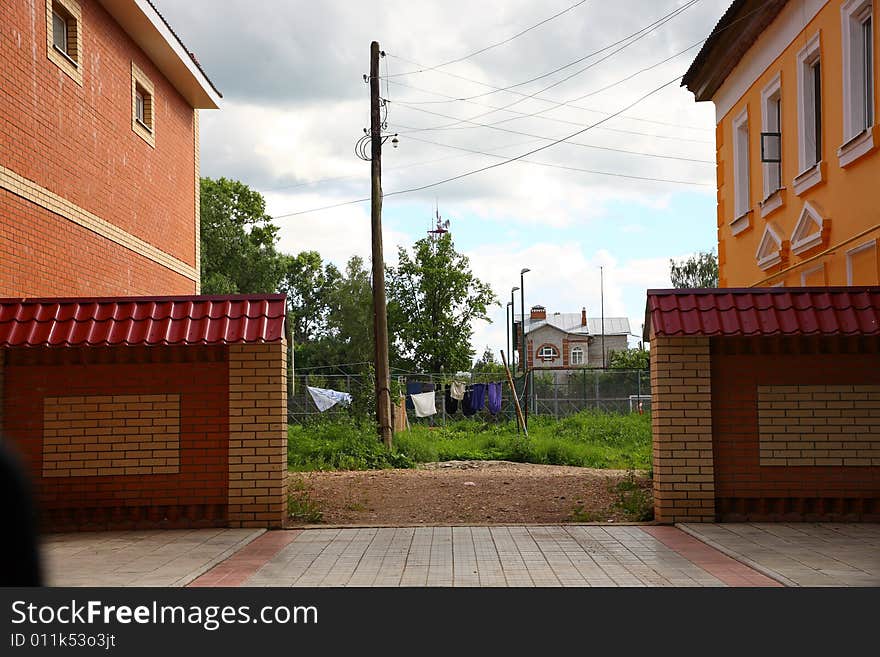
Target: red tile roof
[(144, 321), (764, 311)]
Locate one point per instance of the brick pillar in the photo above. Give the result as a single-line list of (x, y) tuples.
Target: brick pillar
[(257, 435), (681, 416)]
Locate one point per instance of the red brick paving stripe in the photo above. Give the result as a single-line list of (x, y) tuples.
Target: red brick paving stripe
[(236, 570), (728, 570)]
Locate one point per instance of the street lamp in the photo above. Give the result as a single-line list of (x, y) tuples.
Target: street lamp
[(522, 318), (513, 318), (507, 314)]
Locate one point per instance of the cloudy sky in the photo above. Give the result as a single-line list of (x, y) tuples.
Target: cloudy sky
[(295, 103)]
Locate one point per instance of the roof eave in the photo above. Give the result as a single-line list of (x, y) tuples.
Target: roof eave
[(151, 33)]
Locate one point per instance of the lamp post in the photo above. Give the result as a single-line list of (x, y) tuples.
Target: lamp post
[(513, 318), (508, 312), (522, 318)]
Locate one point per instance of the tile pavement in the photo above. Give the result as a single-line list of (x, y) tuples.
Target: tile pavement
[(800, 554), (138, 558)]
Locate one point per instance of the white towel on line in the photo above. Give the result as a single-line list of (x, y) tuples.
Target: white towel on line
[(456, 390), (424, 404)]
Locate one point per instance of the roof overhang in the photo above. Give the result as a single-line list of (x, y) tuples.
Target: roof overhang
[(149, 30), (734, 34)]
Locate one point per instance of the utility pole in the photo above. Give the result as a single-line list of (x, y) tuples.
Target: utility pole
[(602, 304), (380, 312)]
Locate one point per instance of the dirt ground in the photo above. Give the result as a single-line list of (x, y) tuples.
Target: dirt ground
[(464, 492)]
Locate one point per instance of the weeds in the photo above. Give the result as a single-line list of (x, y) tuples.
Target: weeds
[(300, 506)]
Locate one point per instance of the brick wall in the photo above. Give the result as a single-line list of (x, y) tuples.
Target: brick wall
[(44, 255), (257, 434), (76, 141), (195, 494), (819, 425), (681, 416), (111, 435), (817, 368)]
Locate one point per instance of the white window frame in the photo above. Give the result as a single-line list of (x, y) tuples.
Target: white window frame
[(859, 67), (59, 20), (771, 99), (551, 356), (741, 191), (872, 244), (808, 164), (580, 353)]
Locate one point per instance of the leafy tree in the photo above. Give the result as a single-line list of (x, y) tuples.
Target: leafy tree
[(432, 299), (700, 270), (350, 318), (237, 240), (308, 283), (488, 364), (629, 359)]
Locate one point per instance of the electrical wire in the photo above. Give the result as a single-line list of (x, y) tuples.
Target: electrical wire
[(488, 167), (495, 45)]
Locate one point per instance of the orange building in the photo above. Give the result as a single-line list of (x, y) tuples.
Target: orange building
[(99, 153), (794, 83)]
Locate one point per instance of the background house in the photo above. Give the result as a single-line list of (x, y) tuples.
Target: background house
[(99, 161), (794, 83), (571, 340)]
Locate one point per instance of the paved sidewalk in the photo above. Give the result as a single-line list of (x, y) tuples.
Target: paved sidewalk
[(482, 556), (138, 558), (801, 554)]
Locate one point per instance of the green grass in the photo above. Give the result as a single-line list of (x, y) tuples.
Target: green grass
[(588, 439), (300, 506)]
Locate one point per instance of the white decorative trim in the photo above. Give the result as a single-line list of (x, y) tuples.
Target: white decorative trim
[(38, 195), (769, 251), (807, 232), (861, 144), (806, 57), (807, 272), (773, 202), (741, 223), (852, 14), (788, 25), (741, 173), (872, 244), (771, 92), (779, 284), (807, 179)]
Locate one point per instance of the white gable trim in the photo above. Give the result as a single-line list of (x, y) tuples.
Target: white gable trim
[(769, 251), (808, 230)]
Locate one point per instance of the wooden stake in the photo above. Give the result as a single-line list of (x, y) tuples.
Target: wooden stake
[(519, 413)]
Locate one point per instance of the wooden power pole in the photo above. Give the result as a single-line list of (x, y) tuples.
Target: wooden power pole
[(380, 312)]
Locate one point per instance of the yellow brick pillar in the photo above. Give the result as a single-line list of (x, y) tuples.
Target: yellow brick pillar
[(257, 434), (681, 415)]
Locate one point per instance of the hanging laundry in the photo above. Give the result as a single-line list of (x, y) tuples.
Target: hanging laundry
[(495, 398), (478, 396), (412, 388), (457, 391), (325, 399), (449, 401), (466, 403), (424, 404), (428, 387)]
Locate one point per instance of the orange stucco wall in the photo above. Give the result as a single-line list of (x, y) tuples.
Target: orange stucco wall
[(847, 197)]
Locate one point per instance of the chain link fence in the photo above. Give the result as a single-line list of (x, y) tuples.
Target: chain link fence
[(556, 393)]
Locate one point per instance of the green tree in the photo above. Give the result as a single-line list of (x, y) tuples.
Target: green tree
[(350, 317), (700, 270), (309, 284), (629, 359), (433, 297), (487, 363), (237, 240)]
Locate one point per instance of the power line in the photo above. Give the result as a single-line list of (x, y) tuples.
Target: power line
[(488, 167), (577, 143), (570, 168), (634, 36), (495, 45), (645, 32), (547, 118)]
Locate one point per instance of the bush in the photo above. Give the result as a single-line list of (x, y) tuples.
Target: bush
[(339, 444)]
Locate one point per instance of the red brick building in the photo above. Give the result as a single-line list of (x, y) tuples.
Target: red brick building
[(765, 403), (99, 155)]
